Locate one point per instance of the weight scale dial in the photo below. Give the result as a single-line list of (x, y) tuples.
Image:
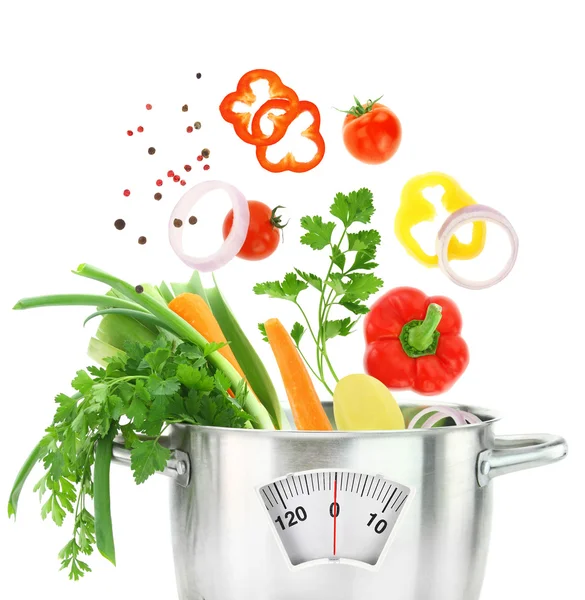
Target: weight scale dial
[(334, 516)]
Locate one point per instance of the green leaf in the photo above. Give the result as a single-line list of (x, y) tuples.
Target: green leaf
[(356, 207), (212, 347), (366, 239), (82, 382), (338, 257), (223, 382), (297, 333), (318, 234), (262, 329), (156, 360), (148, 457), (188, 375), (355, 307), (336, 283), (289, 289), (129, 435), (363, 261), (311, 279), (138, 409), (337, 327), (158, 386), (67, 409), (362, 285)]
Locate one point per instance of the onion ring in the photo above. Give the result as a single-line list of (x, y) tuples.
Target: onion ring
[(234, 241), (469, 214), (460, 417)]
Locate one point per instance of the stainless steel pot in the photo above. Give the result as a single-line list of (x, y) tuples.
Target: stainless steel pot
[(226, 549)]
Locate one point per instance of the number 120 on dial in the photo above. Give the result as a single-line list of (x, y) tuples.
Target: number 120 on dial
[(338, 516)]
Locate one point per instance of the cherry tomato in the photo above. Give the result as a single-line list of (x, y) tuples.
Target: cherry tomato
[(263, 233), (371, 133)]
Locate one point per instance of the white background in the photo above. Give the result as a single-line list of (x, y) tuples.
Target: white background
[(490, 93)]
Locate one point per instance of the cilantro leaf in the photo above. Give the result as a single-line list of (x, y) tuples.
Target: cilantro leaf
[(212, 347), (336, 283), (311, 279), (188, 375), (67, 409), (338, 257), (158, 386), (342, 327), (262, 330), (318, 234), (146, 458), (289, 289), (366, 239), (356, 207), (297, 333), (155, 360), (362, 285), (355, 307), (82, 382)]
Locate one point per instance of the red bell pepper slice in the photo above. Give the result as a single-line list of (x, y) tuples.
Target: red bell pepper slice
[(289, 162), (241, 120), (413, 342)]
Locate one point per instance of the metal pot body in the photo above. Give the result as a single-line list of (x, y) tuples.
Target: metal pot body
[(224, 548)]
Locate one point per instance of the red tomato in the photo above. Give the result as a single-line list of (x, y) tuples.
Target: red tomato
[(372, 133), (263, 232)]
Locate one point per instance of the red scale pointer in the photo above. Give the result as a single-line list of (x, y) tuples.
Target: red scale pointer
[(335, 516)]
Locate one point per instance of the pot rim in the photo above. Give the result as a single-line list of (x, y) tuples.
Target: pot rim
[(488, 417)]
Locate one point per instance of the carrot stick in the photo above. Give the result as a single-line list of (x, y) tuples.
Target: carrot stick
[(306, 407), (193, 309)]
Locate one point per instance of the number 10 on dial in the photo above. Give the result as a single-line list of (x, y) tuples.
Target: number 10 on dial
[(334, 516)]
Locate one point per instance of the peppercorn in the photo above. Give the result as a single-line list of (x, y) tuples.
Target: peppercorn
[(158, 196), (193, 220), (151, 150), (178, 223), (139, 289), (197, 125), (185, 108), (142, 240), (119, 224), (205, 153)]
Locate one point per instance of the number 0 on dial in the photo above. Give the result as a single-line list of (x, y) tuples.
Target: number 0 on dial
[(334, 516)]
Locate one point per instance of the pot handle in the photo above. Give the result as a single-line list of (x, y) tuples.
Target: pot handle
[(178, 467), (517, 452)]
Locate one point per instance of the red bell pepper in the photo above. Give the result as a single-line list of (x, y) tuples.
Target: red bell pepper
[(244, 94), (413, 342), (289, 162)]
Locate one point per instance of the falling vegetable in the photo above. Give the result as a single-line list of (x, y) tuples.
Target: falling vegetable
[(362, 402), (306, 407), (234, 241), (415, 208), (263, 234), (312, 133), (371, 132), (413, 342), (347, 282), (244, 94)]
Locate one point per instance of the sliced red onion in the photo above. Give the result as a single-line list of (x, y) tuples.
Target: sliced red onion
[(234, 241), (460, 417), (469, 214)]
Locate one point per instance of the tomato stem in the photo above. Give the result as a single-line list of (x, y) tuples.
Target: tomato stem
[(359, 109)]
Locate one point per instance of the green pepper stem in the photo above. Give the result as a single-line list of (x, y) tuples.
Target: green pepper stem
[(422, 336)]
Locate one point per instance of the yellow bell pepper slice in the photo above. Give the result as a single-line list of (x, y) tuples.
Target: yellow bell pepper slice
[(415, 208)]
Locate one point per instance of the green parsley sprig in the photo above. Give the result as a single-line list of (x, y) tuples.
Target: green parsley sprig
[(139, 393), (347, 284)]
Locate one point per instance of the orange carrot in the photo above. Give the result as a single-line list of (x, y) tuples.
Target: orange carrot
[(307, 409), (193, 309)]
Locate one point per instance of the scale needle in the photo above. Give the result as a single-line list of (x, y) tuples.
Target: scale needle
[(335, 516)]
